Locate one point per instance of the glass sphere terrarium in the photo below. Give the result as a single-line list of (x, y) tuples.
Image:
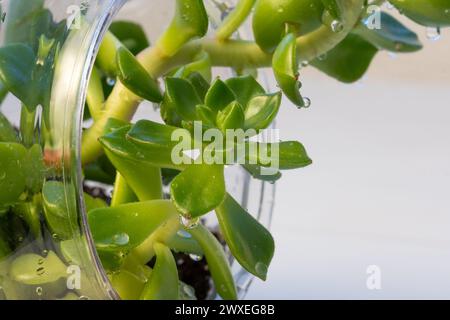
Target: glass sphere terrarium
[(47, 250), (137, 159)]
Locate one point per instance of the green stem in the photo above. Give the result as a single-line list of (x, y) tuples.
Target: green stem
[(145, 252), (122, 192), (235, 19), (27, 123), (95, 97)]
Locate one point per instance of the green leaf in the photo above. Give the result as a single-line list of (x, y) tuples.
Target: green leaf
[(131, 35), (261, 111), (127, 285), (190, 21), (12, 176), (198, 189), (33, 269), (250, 243), (285, 67), (270, 18), (137, 146), (232, 117), (34, 168), (182, 241), (257, 173), (7, 131), (201, 65), (206, 115), (333, 8), (199, 83), (217, 262), (163, 283), (349, 60), (126, 226), (244, 88), (219, 96), (17, 62), (93, 203), (180, 100), (133, 76), (430, 13), (284, 155), (101, 170), (55, 209), (393, 35)]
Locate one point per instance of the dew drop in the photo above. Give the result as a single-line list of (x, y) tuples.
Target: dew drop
[(39, 291), (307, 102), (337, 26), (304, 63), (2, 175), (121, 239), (110, 81), (322, 57), (433, 34), (261, 269), (184, 234), (83, 298), (195, 257)]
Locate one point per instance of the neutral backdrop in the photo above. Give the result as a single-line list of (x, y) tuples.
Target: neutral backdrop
[(378, 191)]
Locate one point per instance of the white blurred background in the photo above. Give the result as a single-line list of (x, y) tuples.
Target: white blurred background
[(378, 191)]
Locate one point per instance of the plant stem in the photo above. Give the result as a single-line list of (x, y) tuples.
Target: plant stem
[(27, 122), (122, 192), (145, 252), (95, 97), (235, 19)]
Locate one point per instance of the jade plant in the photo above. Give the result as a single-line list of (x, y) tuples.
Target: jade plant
[(161, 194)]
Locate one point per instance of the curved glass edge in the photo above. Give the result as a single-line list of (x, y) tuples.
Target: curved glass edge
[(70, 83)]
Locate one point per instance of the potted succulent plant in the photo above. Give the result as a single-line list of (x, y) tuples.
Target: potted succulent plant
[(167, 177)]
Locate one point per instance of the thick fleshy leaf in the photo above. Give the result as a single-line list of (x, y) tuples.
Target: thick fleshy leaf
[(198, 189), (284, 155), (244, 88), (219, 96), (101, 170), (163, 283), (180, 100), (13, 182), (332, 6), (148, 142), (199, 83), (17, 62), (127, 285), (217, 262), (206, 115), (33, 269), (270, 18), (34, 168), (201, 65), (126, 226), (392, 36), (431, 13), (131, 35), (182, 241), (232, 117), (285, 67), (250, 243), (190, 21), (7, 131), (133, 76), (349, 60), (55, 210), (257, 172), (261, 111)]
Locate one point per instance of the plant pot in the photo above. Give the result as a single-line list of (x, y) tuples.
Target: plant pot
[(46, 248)]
